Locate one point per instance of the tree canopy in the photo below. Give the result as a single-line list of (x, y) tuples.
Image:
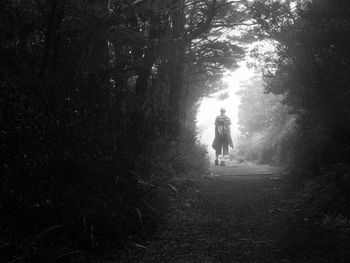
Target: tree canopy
[(98, 104), (96, 113), (309, 72)]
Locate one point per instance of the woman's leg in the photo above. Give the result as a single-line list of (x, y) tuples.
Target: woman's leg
[(224, 153), (218, 151)]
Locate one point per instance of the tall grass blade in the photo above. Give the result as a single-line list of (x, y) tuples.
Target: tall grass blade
[(172, 188), (46, 231), (19, 259), (139, 214)]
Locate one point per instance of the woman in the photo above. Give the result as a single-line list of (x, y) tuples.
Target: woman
[(222, 136)]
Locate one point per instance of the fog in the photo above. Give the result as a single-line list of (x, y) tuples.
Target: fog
[(210, 106)]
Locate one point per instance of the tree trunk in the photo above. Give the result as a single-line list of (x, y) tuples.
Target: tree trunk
[(176, 66), (48, 39), (144, 72), (148, 56)]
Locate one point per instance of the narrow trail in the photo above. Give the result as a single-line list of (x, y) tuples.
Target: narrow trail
[(236, 214)]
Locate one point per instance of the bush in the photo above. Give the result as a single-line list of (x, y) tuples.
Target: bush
[(74, 191)]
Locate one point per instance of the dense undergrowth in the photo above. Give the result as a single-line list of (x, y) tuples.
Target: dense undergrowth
[(80, 195), (302, 122), (91, 134)]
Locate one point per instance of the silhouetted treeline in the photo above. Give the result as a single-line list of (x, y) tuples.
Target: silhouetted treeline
[(97, 113), (311, 71)]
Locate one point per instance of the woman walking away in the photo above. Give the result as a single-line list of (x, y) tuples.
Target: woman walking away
[(222, 136)]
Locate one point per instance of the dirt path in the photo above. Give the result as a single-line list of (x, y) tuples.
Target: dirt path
[(236, 214)]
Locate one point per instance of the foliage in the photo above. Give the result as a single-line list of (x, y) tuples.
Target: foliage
[(311, 71), (266, 125), (90, 92)]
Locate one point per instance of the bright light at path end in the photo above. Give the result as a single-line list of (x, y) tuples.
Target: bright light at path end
[(210, 106)]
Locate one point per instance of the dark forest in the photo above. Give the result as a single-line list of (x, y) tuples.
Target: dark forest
[(101, 157)]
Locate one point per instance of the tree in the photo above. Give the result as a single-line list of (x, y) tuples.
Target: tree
[(311, 71), (89, 93)]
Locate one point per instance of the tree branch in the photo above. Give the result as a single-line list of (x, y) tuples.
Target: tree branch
[(203, 26), (216, 25)]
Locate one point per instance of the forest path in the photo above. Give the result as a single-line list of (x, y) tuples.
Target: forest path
[(235, 214)]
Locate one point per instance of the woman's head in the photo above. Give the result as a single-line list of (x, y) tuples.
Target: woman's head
[(222, 110)]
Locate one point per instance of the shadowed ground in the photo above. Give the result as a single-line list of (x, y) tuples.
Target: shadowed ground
[(242, 213)]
